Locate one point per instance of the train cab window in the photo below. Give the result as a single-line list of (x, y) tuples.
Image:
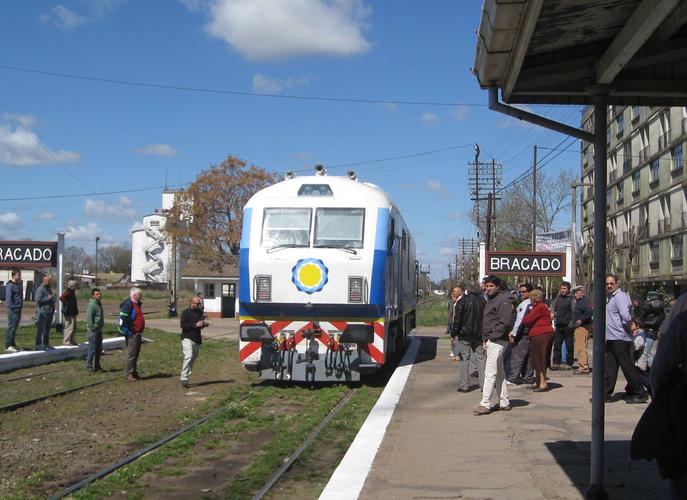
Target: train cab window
[(286, 227), (339, 227), (315, 190)]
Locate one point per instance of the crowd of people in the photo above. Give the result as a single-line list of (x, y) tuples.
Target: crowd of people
[(514, 337), (130, 325)]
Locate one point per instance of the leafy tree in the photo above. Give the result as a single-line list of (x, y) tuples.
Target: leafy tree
[(115, 258), (514, 209), (206, 218), (76, 261)]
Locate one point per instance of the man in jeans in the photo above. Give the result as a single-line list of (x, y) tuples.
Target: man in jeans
[(94, 330), (14, 297), (496, 324), (45, 302), (561, 310)]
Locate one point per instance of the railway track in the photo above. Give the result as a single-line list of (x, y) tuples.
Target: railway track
[(264, 490), (29, 402)]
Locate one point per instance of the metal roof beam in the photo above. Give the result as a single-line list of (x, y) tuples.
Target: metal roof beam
[(673, 23), (642, 24), (525, 32)]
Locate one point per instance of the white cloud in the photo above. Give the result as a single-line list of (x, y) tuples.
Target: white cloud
[(121, 210), (67, 20), (268, 29), (459, 113), (10, 221), (437, 187), (446, 251), (28, 121), (84, 233), (267, 85), (388, 106), (157, 149), (21, 146), (47, 215), (429, 119)]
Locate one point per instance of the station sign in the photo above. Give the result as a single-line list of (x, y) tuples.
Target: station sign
[(28, 254), (525, 263)]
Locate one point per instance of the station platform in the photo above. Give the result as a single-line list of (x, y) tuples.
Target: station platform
[(434, 447)]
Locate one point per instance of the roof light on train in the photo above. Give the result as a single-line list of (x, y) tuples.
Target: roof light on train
[(289, 175), (320, 170), (352, 175)]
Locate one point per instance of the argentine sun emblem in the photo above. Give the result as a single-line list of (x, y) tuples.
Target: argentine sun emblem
[(310, 275)]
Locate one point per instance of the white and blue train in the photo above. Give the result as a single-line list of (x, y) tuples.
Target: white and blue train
[(328, 279)]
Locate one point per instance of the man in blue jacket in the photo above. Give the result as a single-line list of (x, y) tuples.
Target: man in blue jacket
[(14, 297), (45, 302)]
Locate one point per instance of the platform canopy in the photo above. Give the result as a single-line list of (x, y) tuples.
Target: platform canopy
[(560, 51)]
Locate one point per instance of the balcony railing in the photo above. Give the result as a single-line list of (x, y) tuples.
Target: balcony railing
[(663, 141), (661, 226), (612, 176)]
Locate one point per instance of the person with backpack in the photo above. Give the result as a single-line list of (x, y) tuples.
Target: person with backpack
[(652, 315)]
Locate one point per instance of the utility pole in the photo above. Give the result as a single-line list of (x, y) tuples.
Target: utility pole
[(478, 182), (534, 202), (476, 191), (489, 219), (493, 203)]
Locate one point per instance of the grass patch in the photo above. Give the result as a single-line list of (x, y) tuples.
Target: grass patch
[(432, 313)]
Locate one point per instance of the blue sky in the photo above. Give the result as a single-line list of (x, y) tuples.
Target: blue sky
[(84, 137)]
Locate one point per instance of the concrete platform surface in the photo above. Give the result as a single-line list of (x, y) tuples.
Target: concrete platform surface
[(434, 446)]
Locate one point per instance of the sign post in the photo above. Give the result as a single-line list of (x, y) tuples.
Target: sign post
[(60, 277)]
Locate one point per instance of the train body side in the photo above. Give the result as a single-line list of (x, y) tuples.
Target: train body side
[(327, 287)]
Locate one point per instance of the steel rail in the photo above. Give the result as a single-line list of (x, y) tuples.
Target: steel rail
[(279, 473), (28, 402)]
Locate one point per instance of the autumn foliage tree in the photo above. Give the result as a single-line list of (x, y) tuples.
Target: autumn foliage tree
[(206, 218)]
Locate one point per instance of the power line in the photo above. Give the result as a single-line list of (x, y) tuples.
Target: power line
[(185, 88), (61, 196)]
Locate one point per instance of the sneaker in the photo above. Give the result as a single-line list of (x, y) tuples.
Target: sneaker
[(184, 384), (637, 399), (481, 410), (11, 349)]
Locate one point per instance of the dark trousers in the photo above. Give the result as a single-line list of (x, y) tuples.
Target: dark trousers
[(520, 359), (619, 353), (13, 319), (95, 347), (563, 333), (43, 330), (133, 349)]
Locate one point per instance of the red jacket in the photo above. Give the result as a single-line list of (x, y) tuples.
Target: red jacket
[(538, 320)]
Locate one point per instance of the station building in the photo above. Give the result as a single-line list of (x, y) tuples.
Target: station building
[(646, 197)]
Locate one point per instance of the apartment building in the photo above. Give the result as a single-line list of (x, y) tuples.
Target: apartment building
[(646, 198)]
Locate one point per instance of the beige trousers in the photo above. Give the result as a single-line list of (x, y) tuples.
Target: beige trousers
[(69, 333), (581, 341)]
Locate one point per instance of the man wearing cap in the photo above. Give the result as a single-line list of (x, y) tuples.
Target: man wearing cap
[(652, 315), (70, 310), (581, 323)]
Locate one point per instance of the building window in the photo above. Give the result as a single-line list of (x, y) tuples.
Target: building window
[(209, 290), (653, 252), (677, 157), (154, 223), (608, 199), (620, 125), (677, 247), (653, 171), (636, 183), (621, 196), (635, 113)]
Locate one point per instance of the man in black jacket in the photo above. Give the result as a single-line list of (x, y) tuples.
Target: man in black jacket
[(581, 323), (561, 308), (192, 323), (467, 328)]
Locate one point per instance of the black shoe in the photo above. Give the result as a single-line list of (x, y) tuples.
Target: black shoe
[(184, 384), (637, 399), (528, 380), (516, 381), (460, 389)]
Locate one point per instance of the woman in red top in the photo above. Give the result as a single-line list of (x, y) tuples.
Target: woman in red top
[(538, 321)]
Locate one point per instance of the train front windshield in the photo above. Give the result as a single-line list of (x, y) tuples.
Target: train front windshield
[(339, 227)]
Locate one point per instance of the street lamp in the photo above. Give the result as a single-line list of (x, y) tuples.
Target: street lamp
[(97, 239)]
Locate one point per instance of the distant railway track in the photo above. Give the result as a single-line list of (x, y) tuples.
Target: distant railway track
[(56, 394), (269, 484)]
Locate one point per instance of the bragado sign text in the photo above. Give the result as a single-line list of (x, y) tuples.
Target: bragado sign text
[(523, 263), (28, 254)]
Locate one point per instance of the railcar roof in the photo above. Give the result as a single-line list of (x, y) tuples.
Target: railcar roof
[(343, 189)]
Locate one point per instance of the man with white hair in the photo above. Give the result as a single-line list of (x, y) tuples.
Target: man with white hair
[(70, 310), (131, 325)]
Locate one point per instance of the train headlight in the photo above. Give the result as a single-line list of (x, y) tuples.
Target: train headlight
[(356, 290), (263, 288)]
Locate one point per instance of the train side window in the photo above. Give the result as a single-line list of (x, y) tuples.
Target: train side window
[(392, 232)]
